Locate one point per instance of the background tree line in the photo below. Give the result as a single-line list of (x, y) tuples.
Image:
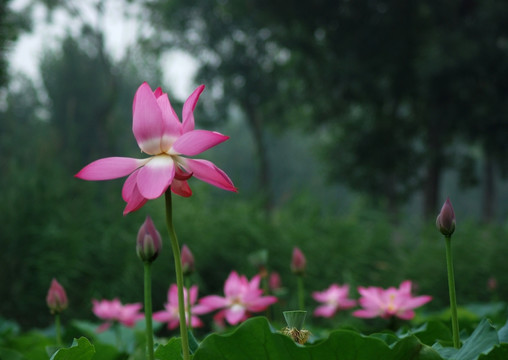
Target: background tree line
[(338, 111)]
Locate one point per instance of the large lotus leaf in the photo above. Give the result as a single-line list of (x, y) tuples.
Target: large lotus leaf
[(81, 349), (172, 350), (254, 340), (482, 341)]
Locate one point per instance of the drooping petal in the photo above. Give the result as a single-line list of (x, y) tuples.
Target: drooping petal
[(109, 168), (135, 202), (181, 188), (147, 122), (131, 194), (188, 109), (129, 185), (206, 171), (155, 177), (196, 141), (172, 125)]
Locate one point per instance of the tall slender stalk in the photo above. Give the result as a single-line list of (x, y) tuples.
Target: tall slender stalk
[(179, 275), (58, 330), (451, 288), (148, 310)]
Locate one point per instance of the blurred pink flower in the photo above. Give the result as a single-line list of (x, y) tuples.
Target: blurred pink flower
[(113, 310), (56, 298), (159, 133), (241, 298), (298, 262), (170, 314), (335, 298), (377, 302)]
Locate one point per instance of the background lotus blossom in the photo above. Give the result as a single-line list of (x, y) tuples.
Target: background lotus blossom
[(334, 298), (159, 133), (113, 310), (242, 297), (170, 312), (377, 302)]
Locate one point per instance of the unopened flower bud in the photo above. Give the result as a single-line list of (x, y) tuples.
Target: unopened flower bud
[(445, 221), (187, 261), (56, 298), (149, 241), (298, 262)]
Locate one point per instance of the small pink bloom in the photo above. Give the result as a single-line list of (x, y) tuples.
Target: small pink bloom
[(149, 242), (159, 133), (187, 260), (242, 297), (298, 262), (335, 298), (445, 221), (56, 298), (113, 310), (171, 315), (377, 302)]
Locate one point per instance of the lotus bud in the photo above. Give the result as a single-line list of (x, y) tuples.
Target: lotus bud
[(187, 261), (298, 262), (149, 241), (56, 298), (445, 221)]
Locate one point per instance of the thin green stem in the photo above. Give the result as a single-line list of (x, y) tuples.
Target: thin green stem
[(301, 293), (148, 310), (58, 330), (179, 275), (451, 287)]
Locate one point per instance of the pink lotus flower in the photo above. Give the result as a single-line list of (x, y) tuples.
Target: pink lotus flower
[(390, 302), (242, 298), (113, 310), (56, 298), (335, 298), (171, 315), (159, 133)]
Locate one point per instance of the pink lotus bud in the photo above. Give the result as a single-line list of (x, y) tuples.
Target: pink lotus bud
[(445, 221), (298, 262), (149, 241), (187, 261), (56, 298)]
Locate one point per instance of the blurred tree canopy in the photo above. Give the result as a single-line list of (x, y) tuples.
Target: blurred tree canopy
[(395, 87)]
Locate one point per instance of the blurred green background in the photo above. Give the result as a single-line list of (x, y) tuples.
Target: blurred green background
[(350, 124)]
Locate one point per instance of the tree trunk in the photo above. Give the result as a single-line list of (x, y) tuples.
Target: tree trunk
[(264, 178)]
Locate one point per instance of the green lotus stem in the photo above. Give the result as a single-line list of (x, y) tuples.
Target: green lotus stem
[(179, 275), (451, 288), (148, 310), (301, 293), (58, 330)]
